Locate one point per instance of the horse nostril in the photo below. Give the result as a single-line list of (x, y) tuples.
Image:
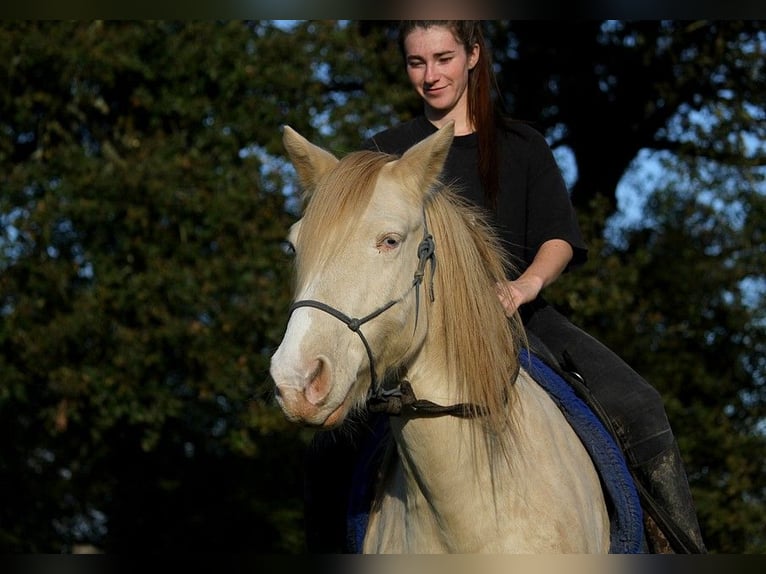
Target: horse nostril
[(318, 386)]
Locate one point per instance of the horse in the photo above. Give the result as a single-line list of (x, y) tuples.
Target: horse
[(395, 304)]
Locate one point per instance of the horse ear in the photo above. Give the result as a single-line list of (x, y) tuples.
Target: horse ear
[(426, 158), (310, 161)]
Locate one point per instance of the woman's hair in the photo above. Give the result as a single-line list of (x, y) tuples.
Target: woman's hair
[(483, 109)]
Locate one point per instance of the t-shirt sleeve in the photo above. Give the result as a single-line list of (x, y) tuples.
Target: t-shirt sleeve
[(550, 211)]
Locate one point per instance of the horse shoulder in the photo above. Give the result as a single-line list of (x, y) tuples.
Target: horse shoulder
[(561, 484)]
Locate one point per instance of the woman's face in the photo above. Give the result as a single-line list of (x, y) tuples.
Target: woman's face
[(438, 66)]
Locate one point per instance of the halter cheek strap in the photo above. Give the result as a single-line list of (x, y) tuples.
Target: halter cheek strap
[(426, 253)]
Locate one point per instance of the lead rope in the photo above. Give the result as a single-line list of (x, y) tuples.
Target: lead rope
[(402, 401)]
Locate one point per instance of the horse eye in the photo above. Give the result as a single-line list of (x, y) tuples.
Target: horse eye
[(388, 242)]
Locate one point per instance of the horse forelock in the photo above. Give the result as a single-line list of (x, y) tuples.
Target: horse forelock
[(481, 343), (339, 199)]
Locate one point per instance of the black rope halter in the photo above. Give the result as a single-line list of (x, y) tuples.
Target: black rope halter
[(400, 400), (426, 253)]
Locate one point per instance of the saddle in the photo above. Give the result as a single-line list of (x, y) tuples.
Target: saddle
[(661, 534)]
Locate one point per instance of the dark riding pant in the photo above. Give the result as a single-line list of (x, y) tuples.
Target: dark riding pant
[(635, 408), (635, 412)]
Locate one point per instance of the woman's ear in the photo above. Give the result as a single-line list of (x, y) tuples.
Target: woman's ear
[(473, 56)]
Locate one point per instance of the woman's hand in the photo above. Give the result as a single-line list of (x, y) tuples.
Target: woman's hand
[(513, 294), (550, 261)]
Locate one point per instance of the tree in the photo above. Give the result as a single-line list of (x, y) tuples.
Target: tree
[(610, 89), (142, 287)]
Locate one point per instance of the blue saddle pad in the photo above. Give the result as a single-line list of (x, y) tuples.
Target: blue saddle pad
[(626, 518)]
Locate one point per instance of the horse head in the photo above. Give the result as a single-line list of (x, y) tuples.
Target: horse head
[(359, 265)]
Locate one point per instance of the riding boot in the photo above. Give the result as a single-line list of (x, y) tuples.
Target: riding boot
[(669, 502)]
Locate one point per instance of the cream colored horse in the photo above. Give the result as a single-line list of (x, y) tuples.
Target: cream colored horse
[(371, 304)]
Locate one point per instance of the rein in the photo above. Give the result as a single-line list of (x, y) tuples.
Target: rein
[(400, 400)]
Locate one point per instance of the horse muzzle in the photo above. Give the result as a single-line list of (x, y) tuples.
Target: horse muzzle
[(304, 395)]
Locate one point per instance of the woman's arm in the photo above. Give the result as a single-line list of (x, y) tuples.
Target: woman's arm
[(551, 260)]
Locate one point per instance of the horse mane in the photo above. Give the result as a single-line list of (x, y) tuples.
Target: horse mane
[(482, 344)]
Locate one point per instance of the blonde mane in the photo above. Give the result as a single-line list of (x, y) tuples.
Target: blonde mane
[(482, 344)]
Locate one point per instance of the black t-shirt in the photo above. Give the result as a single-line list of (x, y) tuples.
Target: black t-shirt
[(533, 203)]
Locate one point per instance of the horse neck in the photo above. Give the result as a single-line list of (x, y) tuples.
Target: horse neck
[(442, 491), (427, 371), (459, 498), (448, 473)]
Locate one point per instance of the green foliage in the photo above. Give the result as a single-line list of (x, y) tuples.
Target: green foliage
[(677, 303), (142, 286)]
